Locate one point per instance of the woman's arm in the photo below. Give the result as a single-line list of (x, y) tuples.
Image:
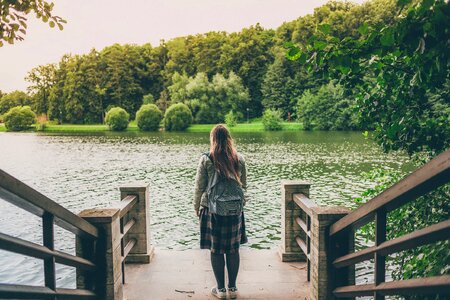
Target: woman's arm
[(201, 183)]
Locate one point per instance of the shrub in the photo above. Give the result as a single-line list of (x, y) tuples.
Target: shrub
[(231, 119), (148, 117), (178, 117), (41, 123), (117, 119), (19, 118), (271, 119), (148, 99)]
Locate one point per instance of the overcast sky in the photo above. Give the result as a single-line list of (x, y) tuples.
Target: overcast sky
[(99, 23)]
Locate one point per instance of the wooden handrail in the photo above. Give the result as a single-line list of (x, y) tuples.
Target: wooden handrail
[(433, 174), (127, 204), (19, 246), (304, 203), (9, 291), (27, 198), (418, 286)]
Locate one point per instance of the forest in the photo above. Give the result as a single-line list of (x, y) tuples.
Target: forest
[(213, 73)]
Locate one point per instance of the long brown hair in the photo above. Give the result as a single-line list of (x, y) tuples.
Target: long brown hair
[(223, 153)]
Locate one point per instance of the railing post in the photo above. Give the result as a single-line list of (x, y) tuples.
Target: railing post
[(289, 249), (143, 250), (322, 251), (108, 279)]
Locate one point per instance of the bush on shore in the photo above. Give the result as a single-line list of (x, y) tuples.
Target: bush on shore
[(117, 119), (19, 118), (272, 120), (178, 117), (148, 117)]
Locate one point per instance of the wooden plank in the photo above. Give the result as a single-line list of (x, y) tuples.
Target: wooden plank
[(419, 286), (433, 174), (20, 246), (128, 226), (127, 204), (302, 245), (128, 248), (379, 260), (16, 291), (428, 235), (302, 225), (48, 241), (34, 202), (304, 203)]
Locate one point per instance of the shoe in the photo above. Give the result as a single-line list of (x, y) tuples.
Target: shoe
[(232, 292), (219, 293)]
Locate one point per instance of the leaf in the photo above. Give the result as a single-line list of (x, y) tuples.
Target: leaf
[(319, 45), (52, 24), (293, 53), (60, 26), (387, 39), (325, 28), (288, 45), (363, 29)]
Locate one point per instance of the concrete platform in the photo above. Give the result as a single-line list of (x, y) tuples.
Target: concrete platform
[(188, 275)]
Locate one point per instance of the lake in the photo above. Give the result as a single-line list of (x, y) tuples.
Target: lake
[(85, 170)]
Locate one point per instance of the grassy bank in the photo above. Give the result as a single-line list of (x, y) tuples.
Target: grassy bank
[(256, 126)]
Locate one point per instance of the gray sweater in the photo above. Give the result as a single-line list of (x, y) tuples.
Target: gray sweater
[(205, 170)]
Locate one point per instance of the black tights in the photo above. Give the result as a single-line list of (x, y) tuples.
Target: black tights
[(218, 265)]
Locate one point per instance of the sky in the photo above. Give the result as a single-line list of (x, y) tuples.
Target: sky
[(100, 23)]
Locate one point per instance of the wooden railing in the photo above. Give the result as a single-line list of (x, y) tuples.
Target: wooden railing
[(106, 238), (305, 204), (23, 196), (432, 175)]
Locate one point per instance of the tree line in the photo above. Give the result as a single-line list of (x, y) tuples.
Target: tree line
[(213, 73)]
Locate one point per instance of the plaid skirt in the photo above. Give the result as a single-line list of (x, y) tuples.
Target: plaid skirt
[(221, 234)]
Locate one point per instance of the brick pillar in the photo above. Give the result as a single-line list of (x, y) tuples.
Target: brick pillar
[(108, 258), (289, 249), (322, 252), (142, 250)]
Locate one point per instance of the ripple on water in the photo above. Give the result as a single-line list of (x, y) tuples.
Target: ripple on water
[(85, 171)]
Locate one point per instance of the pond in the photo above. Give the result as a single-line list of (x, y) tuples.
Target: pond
[(85, 170)]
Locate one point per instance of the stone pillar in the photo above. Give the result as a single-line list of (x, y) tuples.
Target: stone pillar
[(289, 249), (142, 250), (107, 257), (322, 252)]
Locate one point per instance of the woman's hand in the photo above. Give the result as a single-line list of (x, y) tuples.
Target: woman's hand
[(197, 212)]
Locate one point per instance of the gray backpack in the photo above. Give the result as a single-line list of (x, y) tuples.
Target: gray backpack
[(225, 195)]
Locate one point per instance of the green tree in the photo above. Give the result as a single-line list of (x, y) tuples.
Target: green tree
[(231, 119), (148, 117), (13, 18), (13, 99), (41, 79), (19, 118)]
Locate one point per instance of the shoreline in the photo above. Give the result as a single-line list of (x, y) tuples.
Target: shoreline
[(200, 128)]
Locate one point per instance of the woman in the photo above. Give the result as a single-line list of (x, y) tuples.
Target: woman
[(221, 234)]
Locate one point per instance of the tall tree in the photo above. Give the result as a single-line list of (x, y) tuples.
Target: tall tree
[(41, 79)]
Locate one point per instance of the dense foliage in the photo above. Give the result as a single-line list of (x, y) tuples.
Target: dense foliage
[(271, 120), (19, 118), (13, 99), (212, 73), (13, 18), (148, 117), (178, 117), (231, 119), (209, 100), (117, 119), (399, 72), (316, 111)]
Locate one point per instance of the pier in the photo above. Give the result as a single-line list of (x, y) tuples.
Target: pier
[(316, 259)]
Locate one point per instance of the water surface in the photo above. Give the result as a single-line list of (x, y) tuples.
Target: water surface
[(85, 170)]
